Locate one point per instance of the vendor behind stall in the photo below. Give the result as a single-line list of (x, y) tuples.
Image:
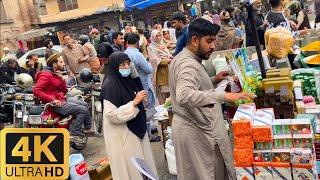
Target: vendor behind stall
[(202, 146)]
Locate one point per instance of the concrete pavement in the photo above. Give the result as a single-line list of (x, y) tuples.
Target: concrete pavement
[(96, 150)]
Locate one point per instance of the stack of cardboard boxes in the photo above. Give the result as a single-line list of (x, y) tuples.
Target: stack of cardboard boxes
[(269, 148)]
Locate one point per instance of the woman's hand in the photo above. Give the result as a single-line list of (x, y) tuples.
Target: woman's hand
[(139, 97)]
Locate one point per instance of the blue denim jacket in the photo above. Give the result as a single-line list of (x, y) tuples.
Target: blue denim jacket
[(182, 41)]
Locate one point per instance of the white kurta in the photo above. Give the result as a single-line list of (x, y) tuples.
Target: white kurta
[(122, 144)]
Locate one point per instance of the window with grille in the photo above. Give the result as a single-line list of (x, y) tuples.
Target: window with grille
[(3, 15), (66, 5)]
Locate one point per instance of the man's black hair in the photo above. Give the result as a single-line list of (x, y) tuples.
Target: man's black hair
[(230, 9), (179, 17), (200, 28), (116, 34), (31, 55), (132, 38), (169, 24), (107, 27), (46, 42), (275, 3)]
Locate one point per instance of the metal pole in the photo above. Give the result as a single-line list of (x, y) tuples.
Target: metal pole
[(256, 39)]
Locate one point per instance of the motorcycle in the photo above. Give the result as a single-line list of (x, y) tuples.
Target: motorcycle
[(6, 104), (44, 117), (90, 93), (24, 100), (97, 107)]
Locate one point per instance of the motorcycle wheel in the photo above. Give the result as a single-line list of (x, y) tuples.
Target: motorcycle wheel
[(79, 145), (98, 122)]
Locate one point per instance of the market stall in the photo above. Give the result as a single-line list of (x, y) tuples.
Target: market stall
[(277, 135)]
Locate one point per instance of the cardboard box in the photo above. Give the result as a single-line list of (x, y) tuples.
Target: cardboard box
[(262, 145), (243, 142), (312, 118), (262, 155), (262, 122), (301, 108), (301, 126), (301, 156), (242, 127), (245, 111), (280, 155), (244, 173), (281, 126), (262, 171), (262, 134), (304, 171), (285, 86), (302, 140), (243, 157), (281, 171), (100, 170), (268, 111), (282, 141)]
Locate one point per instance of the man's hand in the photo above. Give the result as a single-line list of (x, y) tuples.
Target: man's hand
[(304, 31), (81, 60), (265, 23), (31, 63), (233, 97), (221, 76), (71, 74), (57, 103)]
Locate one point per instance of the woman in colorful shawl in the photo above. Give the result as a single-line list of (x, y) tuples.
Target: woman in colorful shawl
[(160, 58)]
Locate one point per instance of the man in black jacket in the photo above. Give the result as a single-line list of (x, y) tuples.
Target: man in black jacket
[(9, 70)]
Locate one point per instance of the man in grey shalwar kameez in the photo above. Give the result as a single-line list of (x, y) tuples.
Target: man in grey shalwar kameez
[(202, 146)]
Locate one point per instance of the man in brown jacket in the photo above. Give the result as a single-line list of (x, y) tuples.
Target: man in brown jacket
[(73, 56)]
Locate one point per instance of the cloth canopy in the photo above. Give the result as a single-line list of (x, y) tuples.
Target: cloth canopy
[(141, 4)]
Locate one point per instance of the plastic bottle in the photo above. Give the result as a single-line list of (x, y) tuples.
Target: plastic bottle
[(78, 168)]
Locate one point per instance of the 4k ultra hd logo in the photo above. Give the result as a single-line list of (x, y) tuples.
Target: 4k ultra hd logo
[(34, 153)]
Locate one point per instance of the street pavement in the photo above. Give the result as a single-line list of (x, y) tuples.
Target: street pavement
[(96, 150)]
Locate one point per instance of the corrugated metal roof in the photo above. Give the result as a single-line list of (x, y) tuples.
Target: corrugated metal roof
[(33, 33), (76, 14)]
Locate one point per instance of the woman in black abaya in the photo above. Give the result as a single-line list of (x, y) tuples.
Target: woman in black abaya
[(124, 119)]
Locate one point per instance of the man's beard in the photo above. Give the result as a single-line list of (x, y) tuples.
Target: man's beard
[(203, 55), (61, 68)]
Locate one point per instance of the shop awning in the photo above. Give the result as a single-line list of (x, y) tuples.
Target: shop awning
[(141, 4), (33, 33)]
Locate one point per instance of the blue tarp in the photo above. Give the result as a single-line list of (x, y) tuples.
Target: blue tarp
[(141, 4)]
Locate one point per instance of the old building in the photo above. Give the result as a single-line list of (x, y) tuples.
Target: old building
[(73, 17), (17, 16)]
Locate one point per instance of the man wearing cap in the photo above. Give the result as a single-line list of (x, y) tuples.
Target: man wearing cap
[(50, 87), (9, 70), (227, 38), (95, 38)]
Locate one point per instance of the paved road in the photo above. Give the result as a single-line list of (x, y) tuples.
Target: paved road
[(95, 150)]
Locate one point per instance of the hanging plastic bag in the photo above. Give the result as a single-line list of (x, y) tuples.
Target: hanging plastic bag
[(78, 168)]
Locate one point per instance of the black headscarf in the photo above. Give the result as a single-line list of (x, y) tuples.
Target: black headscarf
[(121, 90)]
